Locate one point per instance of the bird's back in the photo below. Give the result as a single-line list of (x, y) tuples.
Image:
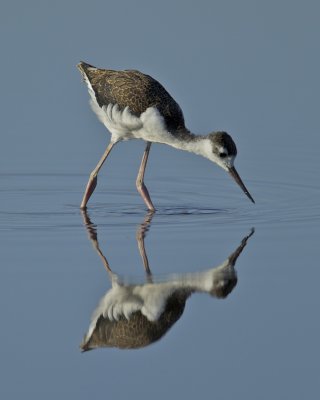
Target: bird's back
[(138, 331), (133, 89)]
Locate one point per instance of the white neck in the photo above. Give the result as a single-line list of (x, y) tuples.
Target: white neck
[(152, 128), (199, 145), (203, 281)]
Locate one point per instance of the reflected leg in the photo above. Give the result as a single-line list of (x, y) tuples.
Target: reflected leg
[(93, 236), (140, 236)]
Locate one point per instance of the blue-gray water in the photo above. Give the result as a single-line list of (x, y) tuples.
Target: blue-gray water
[(250, 68), (263, 337)]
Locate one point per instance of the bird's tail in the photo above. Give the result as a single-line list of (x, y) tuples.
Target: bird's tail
[(84, 68)]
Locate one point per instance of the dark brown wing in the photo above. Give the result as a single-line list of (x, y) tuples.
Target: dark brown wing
[(135, 90), (138, 331)]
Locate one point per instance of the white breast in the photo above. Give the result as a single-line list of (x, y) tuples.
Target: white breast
[(123, 125)]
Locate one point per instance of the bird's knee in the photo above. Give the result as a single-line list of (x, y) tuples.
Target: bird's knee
[(139, 184), (93, 175)]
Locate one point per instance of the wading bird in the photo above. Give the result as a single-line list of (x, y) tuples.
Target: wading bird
[(133, 105), (134, 315)]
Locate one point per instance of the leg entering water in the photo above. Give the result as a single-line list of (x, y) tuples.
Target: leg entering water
[(140, 179), (92, 183)]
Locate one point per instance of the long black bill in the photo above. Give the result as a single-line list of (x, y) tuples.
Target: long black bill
[(233, 172)]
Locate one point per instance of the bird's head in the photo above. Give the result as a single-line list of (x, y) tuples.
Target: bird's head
[(223, 287), (222, 150)]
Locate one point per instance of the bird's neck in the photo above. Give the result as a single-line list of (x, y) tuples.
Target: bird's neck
[(207, 281), (188, 141)]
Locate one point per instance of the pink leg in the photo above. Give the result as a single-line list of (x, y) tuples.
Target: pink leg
[(93, 236), (140, 179), (92, 183), (140, 236)]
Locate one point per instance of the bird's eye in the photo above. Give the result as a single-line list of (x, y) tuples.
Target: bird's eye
[(223, 155)]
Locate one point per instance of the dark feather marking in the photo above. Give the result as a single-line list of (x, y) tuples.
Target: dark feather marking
[(133, 89), (138, 331), (223, 139)]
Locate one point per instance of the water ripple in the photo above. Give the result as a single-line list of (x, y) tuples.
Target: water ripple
[(44, 202)]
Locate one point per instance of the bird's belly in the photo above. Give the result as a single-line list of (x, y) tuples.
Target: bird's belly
[(123, 125)]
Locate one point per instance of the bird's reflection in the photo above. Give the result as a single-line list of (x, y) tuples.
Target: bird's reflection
[(131, 316)]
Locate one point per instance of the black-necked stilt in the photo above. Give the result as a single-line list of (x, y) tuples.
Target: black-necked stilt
[(131, 316), (133, 105)]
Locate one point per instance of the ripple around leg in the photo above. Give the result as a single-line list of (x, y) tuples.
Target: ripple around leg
[(50, 201)]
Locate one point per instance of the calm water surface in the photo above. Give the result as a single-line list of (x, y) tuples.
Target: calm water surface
[(250, 68), (260, 340)]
